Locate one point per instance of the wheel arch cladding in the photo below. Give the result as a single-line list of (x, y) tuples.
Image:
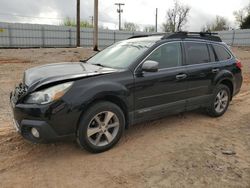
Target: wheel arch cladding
[(117, 101), (226, 78), (121, 103), (229, 84)]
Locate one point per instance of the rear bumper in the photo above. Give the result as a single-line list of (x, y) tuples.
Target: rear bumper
[(237, 84), (236, 92)]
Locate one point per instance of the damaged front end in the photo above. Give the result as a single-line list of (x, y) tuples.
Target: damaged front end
[(18, 93), (15, 96), (41, 104), (33, 121)]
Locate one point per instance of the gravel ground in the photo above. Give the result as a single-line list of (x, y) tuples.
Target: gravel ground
[(186, 150)]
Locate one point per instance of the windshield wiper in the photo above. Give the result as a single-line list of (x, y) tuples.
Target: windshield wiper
[(101, 65)]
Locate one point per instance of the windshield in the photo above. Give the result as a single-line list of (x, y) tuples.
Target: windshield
[(121, 54)]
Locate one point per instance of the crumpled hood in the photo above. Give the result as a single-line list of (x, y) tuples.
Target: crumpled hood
[(49, 73)]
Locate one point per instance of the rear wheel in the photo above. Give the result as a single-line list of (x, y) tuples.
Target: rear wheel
[(220, 101), (101, 127)]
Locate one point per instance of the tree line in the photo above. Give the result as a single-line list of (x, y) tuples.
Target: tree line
[(177, 17)]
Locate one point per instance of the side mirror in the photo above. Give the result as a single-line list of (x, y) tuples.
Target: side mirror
[(150, 66)]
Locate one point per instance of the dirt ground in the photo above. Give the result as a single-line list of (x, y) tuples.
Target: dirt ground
[(179, 151)]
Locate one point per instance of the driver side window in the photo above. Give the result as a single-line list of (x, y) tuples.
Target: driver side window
[(168, 55)]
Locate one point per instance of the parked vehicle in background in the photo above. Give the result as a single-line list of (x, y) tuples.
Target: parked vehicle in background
[(143, 78)]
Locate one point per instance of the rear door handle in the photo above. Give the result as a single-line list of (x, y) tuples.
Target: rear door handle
[(180, 76), (215, 70)]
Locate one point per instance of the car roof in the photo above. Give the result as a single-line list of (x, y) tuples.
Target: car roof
[(193, 36)]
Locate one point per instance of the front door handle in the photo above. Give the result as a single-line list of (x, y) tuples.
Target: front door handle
[(180, 76), (215, 70)]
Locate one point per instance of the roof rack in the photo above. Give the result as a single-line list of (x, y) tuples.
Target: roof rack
[(194, 35), (146, 35), (184, 34)]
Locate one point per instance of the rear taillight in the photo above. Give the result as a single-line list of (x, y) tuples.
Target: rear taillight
[(238, 64)]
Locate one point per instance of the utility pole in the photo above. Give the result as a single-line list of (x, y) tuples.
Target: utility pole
[(92, 20), (119, 10), (78, 24), (156, 19), (95, 41)]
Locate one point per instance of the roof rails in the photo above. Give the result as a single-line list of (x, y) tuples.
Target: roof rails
[(194, 35), (146, 35), (183, 35)]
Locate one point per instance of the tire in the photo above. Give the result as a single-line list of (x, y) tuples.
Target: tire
[(221, 97), (100, 127)]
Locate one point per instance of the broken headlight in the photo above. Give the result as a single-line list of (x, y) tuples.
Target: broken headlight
[(49, 94)]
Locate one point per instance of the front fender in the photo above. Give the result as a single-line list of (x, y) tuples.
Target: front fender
[(85, 93), (108, 89)]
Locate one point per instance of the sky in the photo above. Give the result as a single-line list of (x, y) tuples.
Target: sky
[(141, 12)]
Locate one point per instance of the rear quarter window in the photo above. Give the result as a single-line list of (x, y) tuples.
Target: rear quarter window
[(221, 53)]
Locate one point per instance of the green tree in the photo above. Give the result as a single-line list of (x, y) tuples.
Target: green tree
[(246, 23), (242, 14), (239, 16), (70, 22)]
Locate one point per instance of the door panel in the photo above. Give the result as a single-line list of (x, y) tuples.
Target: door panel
[(199, 81), (200, 76), (160, 93)]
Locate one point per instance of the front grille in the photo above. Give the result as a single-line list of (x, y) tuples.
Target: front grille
[(18, 92)]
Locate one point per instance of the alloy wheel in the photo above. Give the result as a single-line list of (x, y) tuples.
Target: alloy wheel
[(103, 128), (221, 101)]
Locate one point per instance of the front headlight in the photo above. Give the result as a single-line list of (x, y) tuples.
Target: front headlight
[(49, 94)]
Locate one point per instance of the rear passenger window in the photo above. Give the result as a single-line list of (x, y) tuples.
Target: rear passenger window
[(221, 53), (196, 53), (168, 55)]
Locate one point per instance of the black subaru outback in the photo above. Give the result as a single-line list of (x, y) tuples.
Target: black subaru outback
[(135, 80)]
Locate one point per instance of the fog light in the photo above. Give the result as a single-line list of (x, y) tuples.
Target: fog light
[(35, 132)]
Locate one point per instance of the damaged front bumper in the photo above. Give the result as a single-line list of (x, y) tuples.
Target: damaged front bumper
[(32, 116)]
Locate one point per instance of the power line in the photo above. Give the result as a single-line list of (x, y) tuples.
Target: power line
[(119, 10)]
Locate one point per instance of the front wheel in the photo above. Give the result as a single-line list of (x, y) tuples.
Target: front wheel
[(101, 127), (220, 101)]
